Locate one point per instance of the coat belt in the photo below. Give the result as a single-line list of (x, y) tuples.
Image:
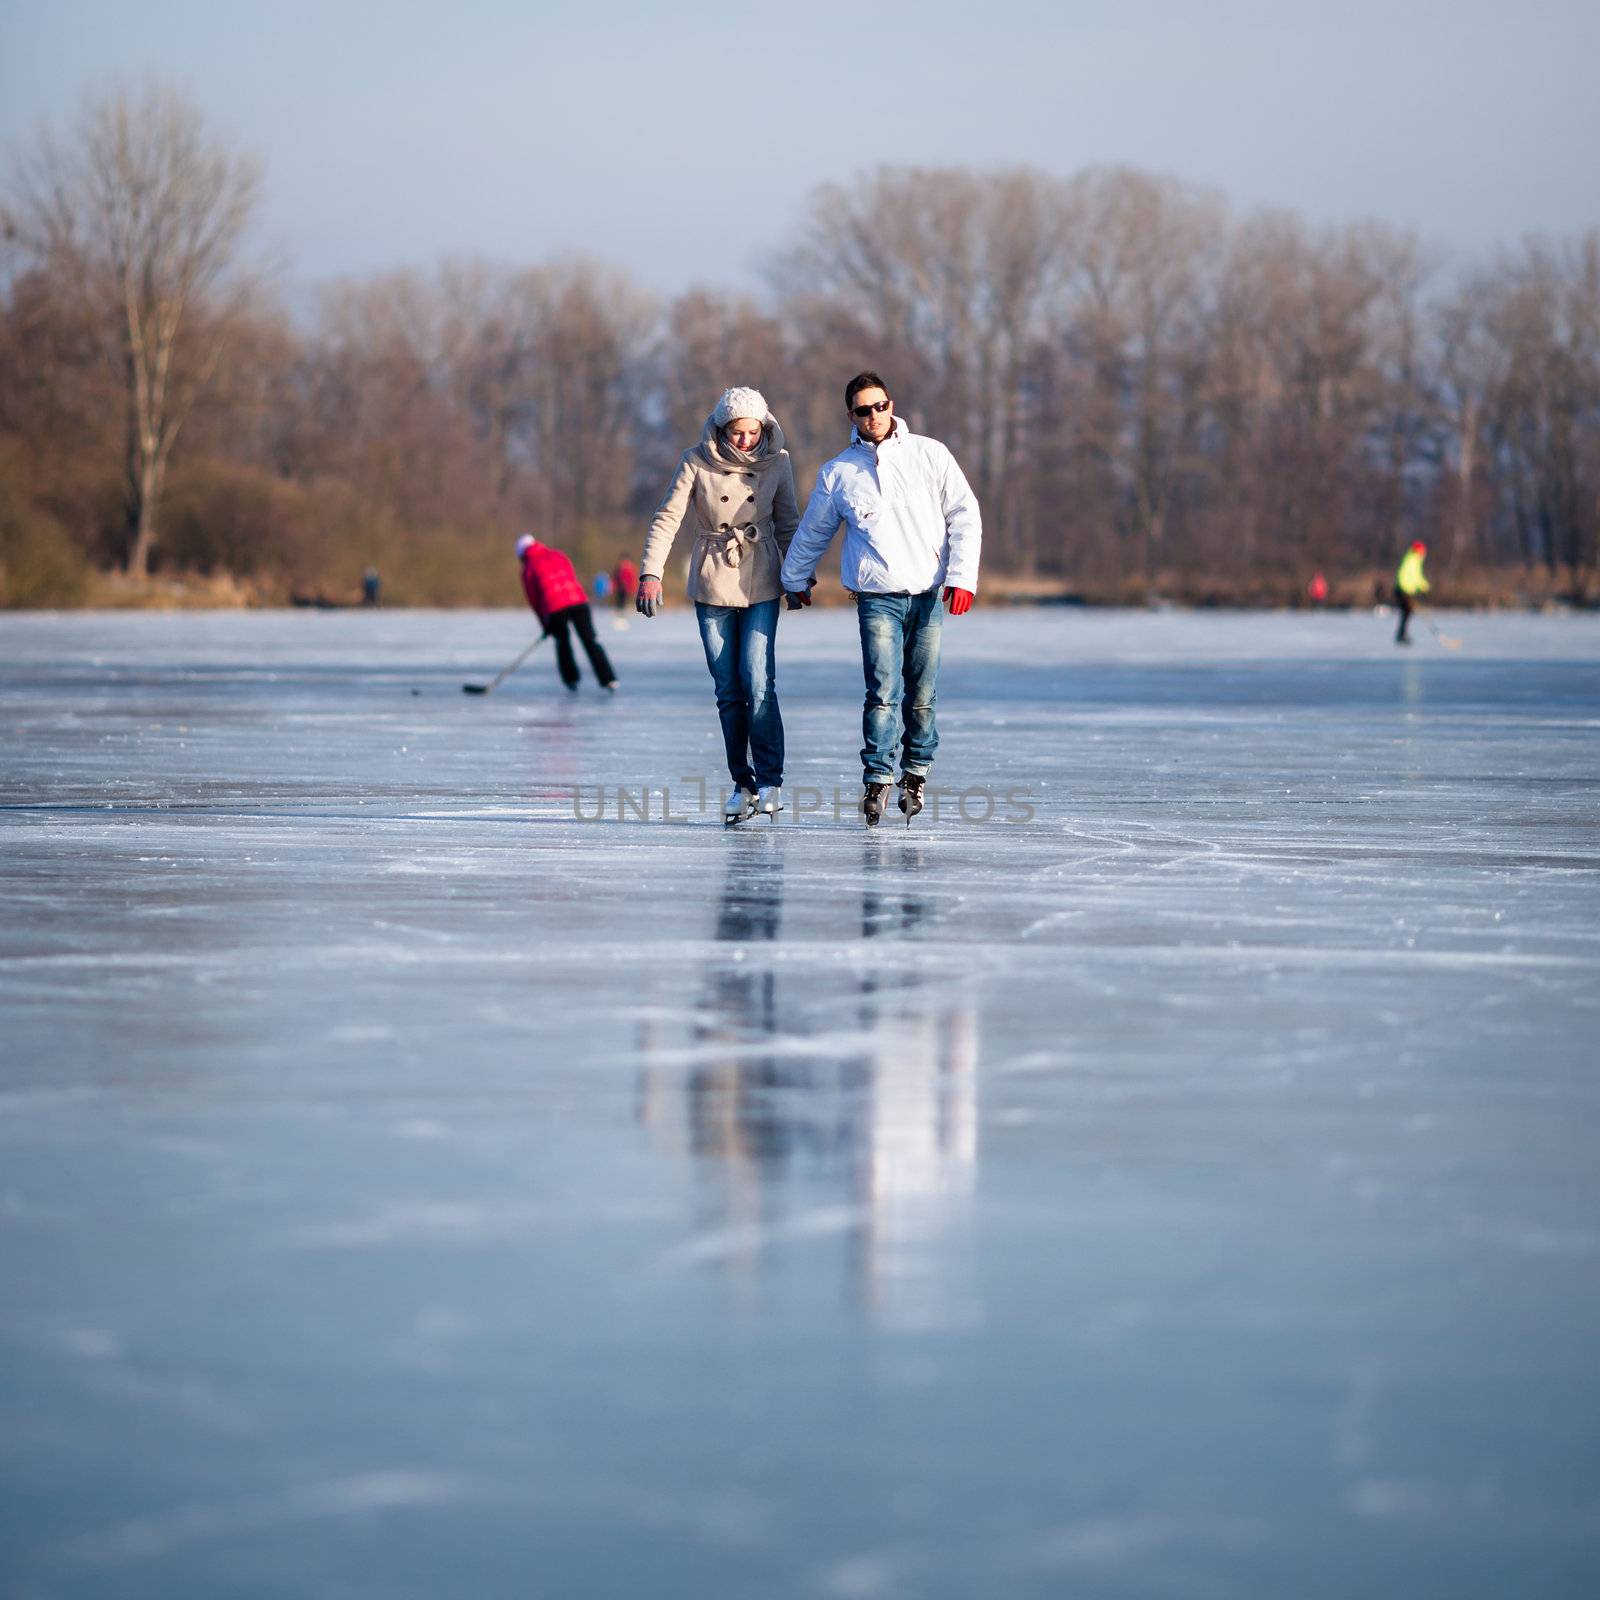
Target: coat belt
[(735, 540)]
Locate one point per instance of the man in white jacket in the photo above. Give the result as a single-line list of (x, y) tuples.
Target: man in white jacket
[(911, 528)]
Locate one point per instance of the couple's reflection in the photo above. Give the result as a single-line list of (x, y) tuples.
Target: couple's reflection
[(829, 1069)]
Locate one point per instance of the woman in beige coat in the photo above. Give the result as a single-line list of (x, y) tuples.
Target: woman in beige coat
[(735, 492)]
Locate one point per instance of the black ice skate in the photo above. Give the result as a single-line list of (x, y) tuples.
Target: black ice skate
[(911, 794), (873, 799)]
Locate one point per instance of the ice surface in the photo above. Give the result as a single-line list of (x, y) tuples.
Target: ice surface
[(411, 1188)]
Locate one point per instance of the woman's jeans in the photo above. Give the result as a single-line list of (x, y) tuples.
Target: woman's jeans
[(741, 650), (900, 636)]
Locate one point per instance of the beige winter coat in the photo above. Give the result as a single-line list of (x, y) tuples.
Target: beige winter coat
[(742, 518)]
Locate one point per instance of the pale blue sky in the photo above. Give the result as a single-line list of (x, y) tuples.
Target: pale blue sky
[(680, 142)]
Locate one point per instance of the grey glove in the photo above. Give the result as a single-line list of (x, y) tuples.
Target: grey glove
[(649, 597)]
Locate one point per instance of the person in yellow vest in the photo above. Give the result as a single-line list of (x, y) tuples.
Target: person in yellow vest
[(1408, 584)]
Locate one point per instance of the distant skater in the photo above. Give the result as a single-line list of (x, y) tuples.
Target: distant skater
[(734, 490), (1409, 582), (625, 583), (911, 529), (551, 585)]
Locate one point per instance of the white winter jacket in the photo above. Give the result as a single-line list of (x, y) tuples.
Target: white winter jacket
[(910, 519)]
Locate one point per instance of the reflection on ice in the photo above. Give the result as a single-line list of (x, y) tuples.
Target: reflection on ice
[(822, 1101)]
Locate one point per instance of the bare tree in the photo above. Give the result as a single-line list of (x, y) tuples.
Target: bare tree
[(938, 278), (141, 213), (586, 328), (1145, 391), (1544, 314), (1141, 254), (710, 341), (1469, 367)]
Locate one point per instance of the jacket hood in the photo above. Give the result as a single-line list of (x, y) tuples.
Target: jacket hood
[(898, 431)]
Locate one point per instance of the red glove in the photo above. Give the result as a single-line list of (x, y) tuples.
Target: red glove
[(957, 601)]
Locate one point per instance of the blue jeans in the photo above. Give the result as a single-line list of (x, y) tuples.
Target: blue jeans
[(741, 650), (900, 657)]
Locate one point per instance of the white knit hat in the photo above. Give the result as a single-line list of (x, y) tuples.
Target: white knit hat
[(523, 545), (740, 403)]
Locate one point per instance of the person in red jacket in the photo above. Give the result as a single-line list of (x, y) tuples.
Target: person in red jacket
[(553, 590), (626, 581)]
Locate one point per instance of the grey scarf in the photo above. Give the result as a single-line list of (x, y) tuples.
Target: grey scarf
[(721, 456)]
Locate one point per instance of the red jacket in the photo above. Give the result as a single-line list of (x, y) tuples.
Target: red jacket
[(549, 581)]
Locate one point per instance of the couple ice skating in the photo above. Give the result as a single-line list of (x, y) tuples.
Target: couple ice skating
[(911, 543)]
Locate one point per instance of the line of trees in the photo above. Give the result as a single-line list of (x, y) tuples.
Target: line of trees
[(1148, 392)]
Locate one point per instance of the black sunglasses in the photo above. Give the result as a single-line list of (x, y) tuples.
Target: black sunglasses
[(866, 411)]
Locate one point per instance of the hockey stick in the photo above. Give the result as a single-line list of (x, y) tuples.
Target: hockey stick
[(1443, 638), (484, 688)]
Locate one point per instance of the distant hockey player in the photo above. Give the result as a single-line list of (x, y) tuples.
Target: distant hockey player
[(1408, 584), (624, 583), (553, 590), (912, 529)]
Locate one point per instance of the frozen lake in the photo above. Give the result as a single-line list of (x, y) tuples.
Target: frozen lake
[(1171, 1172)]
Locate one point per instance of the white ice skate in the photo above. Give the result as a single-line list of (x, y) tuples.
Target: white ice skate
[(741, 803), (769, 800)]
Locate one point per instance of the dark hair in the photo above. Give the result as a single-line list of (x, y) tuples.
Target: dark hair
[(863, 380)]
